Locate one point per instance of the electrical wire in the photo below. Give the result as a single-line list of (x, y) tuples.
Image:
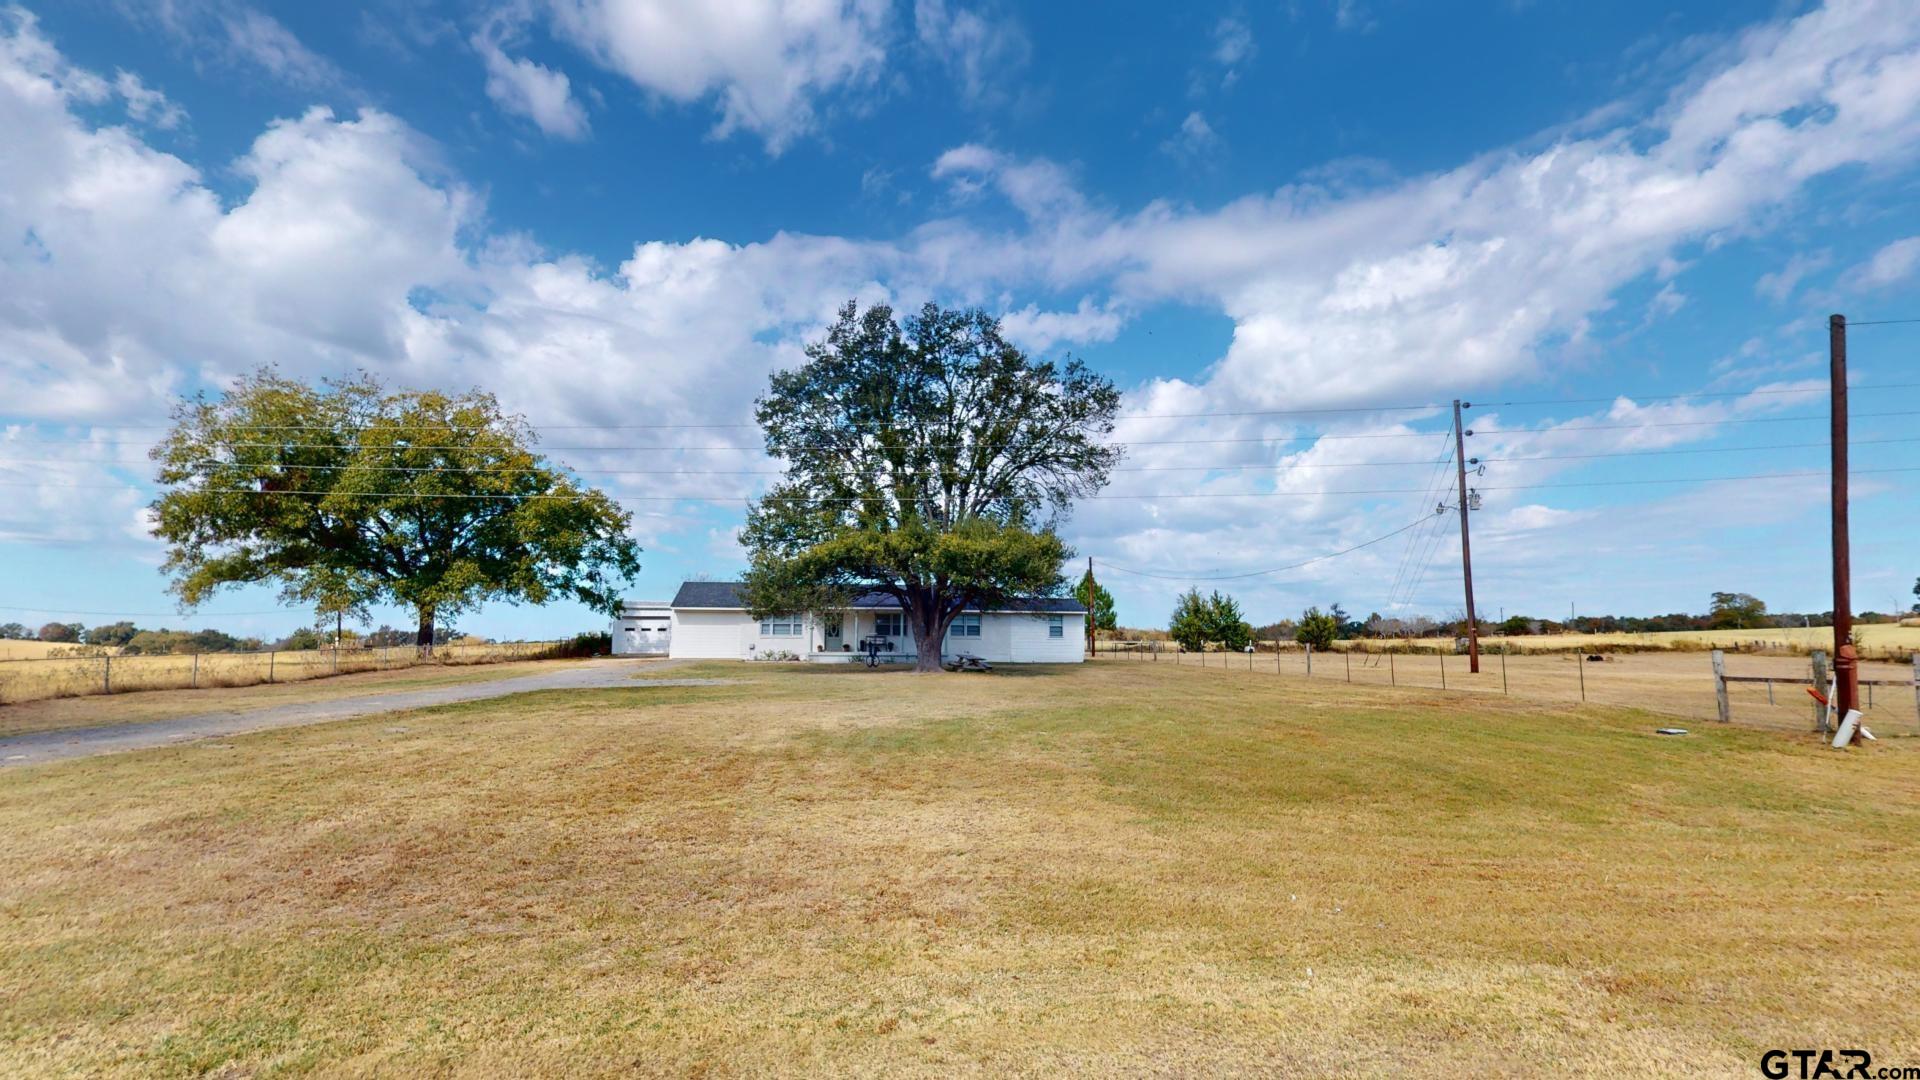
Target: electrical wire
[(1272, 570)]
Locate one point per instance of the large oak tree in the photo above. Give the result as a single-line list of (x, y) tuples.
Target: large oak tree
[(929, 460), (352, 494)]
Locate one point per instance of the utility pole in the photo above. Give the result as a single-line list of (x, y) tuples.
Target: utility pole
[(1846, 667), (1466, 543)]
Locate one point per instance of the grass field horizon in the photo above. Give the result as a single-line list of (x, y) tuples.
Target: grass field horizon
[(1112, 867)]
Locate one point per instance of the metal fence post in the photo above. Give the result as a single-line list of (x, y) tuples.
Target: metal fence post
[(106, 675), (1720, 686), (1443, 669), (1349, 656), (271, 657), (1581, 659), (1503, 667)]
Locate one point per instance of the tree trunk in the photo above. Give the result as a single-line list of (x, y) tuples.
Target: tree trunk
[(929, 628), (423, 641)]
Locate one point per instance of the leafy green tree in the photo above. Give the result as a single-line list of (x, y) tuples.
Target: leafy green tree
[(1736, 611), (1226, 625), (1099, 604), (1916, 593), (351, 494), (302, 640), (929, 461), (1210, 620), (1192, 621), (112, 634), (1317, 628), (62, 632), (13, 631)]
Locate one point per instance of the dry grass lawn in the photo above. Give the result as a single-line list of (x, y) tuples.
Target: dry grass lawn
[(1120, 868)]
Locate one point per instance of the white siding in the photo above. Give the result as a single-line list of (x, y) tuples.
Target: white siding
[(1032, 645), (712, 635), (1005, 638)]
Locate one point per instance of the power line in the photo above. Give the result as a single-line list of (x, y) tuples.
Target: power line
[(1273, 570), (1878, 322), (1315, 437), (1699, 394), (863, 499), (1124, 418), (144, 614), (510, 469)]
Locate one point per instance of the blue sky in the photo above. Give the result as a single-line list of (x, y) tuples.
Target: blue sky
[(622, 214)]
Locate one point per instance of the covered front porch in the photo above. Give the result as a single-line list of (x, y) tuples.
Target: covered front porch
[(837, 637)]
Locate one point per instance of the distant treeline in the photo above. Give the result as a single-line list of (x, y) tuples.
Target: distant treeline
[(129, 640)]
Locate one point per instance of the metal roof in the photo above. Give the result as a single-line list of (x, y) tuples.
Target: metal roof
[(725, 596)]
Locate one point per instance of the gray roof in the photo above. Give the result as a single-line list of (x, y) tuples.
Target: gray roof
[(725, 595)]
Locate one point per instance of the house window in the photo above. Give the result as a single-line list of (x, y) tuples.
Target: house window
[(780, 626), (890, 624), (1057, 626), (964, 626)]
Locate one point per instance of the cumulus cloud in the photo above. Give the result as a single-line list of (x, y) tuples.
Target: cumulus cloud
[(767, 64), (532, 91), (351, 246)]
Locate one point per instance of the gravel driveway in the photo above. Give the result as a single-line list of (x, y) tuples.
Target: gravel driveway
[(39, 747)]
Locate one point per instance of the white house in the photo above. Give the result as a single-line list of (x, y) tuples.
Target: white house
[(710, 622)]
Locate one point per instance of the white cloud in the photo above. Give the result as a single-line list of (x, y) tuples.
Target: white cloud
[(1232, 42), (1781, 284), (1040, 331), (265, 42), (1195, 141), (768, 63), (985, 51), (533, 91), (1890, 265), (145, 104)]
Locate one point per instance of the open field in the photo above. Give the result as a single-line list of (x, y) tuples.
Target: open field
[(61, 714), (11, 649), (1122, 867), (1677, 684), (28, 679)]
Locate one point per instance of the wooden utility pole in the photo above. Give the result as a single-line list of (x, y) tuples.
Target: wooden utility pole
[(1846, 666), (1466, 542)]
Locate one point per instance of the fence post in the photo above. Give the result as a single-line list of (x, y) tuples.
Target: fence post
[(1391, 679), (1581, 659), (271, 657), (1503, 667), (106, 675), (1349, 656), (1916, 684), (1720, 686), (1820, 685), (196, 671), (1443, 669), (1309, 659)]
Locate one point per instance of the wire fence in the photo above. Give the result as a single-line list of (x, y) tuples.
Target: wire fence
[(1763, 691), (41, 677)]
